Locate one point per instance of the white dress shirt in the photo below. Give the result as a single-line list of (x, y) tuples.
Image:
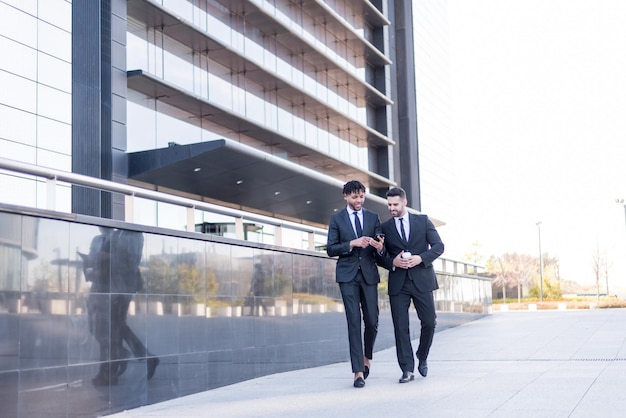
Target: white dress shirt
[(407, 227)]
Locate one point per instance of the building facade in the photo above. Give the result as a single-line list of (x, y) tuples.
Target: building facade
[(436, 145), (237, 119), (265, 106)]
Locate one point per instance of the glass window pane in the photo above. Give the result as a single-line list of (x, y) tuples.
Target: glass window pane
[(18, 59), (18, 92), (64, 198), (310, 136), (55, 41), (57, 13), (141, 127), (237, 101), (178, 71), (253, 51), (170, 129), (220, 91), (18, 25), (18, 126), (285, 123), (182, 7), (29, 6), (199, 17), (17, 151), (144, 212), (17, 190), (54, 160), (54, 72), (219, 29), (171, 216), (136, 52), (54, 135), (254, 108), (54, 104)]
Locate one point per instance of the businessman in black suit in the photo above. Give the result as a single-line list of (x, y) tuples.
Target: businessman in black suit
[(411, 245), (351, 233)]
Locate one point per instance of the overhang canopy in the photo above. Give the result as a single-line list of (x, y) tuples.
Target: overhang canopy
[(239, 175)]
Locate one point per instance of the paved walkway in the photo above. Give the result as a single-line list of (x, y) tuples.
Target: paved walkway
[(510, 364)]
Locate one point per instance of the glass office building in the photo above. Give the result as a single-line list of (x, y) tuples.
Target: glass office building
[(221, 131), (36, 94), (265, 106), (437, 150)]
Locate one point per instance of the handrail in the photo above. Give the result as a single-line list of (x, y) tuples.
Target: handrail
[(134, 191), (128, 190)]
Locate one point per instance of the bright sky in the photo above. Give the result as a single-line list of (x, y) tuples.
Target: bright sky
[(539, 113)]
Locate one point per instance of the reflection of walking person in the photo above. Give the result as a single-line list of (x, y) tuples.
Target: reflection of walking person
[(126, 251), (112, 266), (257, 291), (97, 269)]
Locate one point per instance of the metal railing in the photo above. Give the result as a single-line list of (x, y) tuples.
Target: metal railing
[(130, 193)]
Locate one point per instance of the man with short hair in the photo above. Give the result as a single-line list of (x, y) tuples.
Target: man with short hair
[(411, 245), (350, 237)]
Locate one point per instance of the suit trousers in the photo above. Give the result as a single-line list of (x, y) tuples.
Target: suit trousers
[(425, 306), (360, 297)]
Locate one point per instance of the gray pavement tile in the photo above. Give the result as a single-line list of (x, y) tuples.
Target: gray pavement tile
[(510, 364)]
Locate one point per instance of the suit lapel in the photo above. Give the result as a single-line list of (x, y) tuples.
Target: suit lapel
[(394, 225)]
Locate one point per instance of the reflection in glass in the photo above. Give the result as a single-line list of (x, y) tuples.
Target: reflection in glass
[(112, 268), (240, 310), (160, 265), (219, 271), (242, 267)]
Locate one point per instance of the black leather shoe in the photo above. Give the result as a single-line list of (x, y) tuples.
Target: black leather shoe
[(407, 377), (366, 372), (359, 382), (104, 380), (423, 368), (153, 362), (123, 362)]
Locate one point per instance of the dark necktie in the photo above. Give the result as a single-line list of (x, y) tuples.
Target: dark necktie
[(357, 224), (401, 220)]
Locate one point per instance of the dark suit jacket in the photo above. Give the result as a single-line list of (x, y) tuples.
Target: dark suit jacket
[(340, 233), (424, 241)]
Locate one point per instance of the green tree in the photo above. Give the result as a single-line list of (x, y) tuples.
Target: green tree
[(474, 254), (551, 290)]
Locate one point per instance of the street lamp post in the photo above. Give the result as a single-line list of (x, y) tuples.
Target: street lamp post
[(621, 202), (540, 264)]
